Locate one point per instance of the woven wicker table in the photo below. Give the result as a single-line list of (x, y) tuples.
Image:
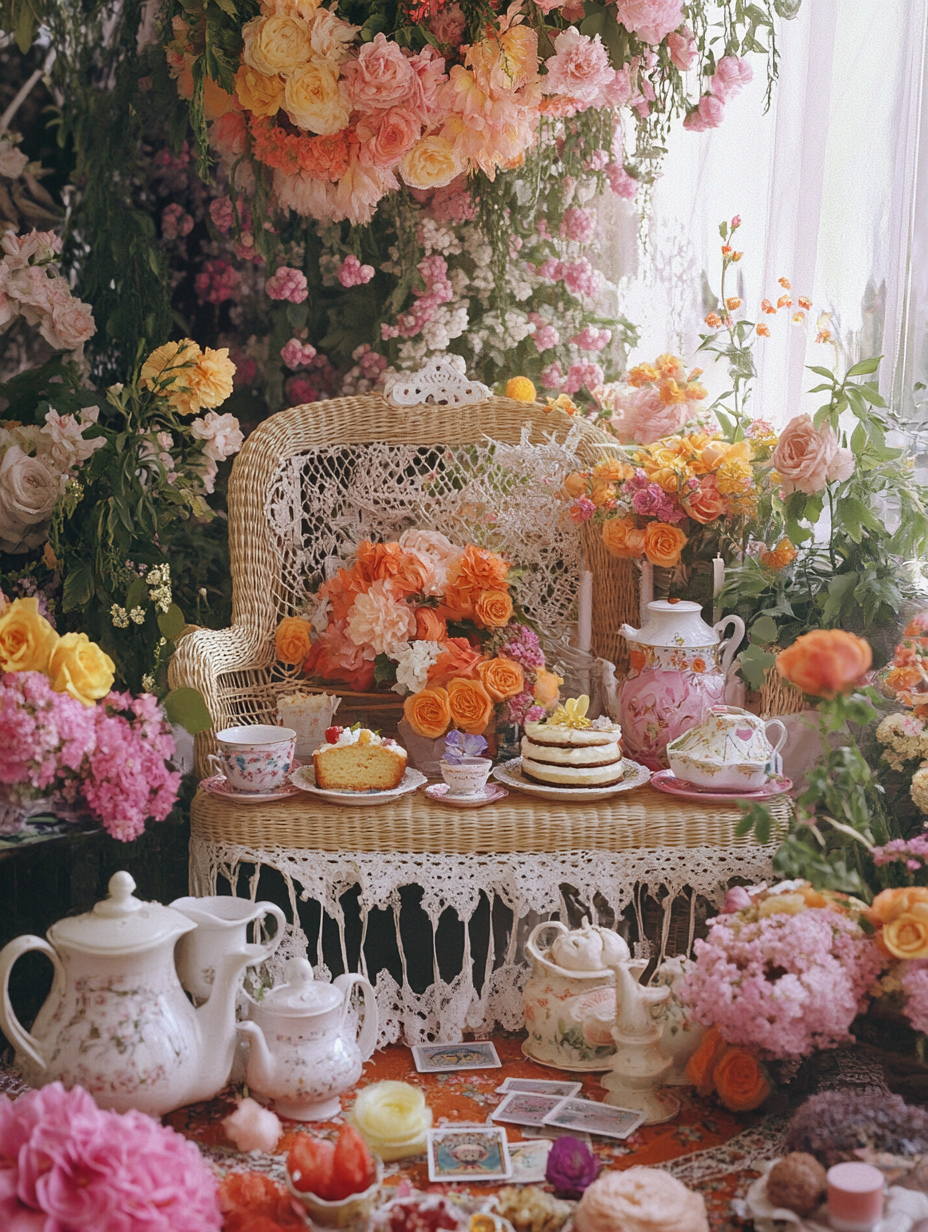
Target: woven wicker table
[(493, 871)]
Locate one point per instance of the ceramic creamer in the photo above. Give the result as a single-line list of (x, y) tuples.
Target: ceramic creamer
[(678, 669), (569, 1011), (117, 1020), (302, 1053), (729, 750), (221, 925)]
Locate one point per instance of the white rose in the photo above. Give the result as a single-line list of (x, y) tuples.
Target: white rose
[(29, 491), (330, 36), (63, 437), (71, 322), (40, 247), (220, 435)]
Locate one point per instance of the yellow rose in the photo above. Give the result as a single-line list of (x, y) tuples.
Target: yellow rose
[(907, 935), (210, 381), (312, 99), (547, 687), (782, 904), (257, 93), (276, 44), (165, 369), (431, 163), (80, 668), (26, 638)]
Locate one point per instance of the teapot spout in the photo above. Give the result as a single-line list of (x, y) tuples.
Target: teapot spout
[(630, 634), (216, 1020), (261, 1067)]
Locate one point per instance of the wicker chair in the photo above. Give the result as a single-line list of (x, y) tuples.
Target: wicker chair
[(521, 851)]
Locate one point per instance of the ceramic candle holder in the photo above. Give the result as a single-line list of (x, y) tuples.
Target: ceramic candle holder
[(466, 777), (351, 1214), (855, 1197)]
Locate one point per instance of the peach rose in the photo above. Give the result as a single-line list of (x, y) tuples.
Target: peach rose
[(430, 627), (333, 656), (258, 93), (706, 503), (292, 642), (547, 687), (663, 544), (379, 77), (740, 1081), (611, 470), (889, 904), (380, 562), (640, 1199), (807, 457), (432, 162), (701, 1065), (470, 704), (277, 44), (396, 133), (623, 538), (825, 662), (313, 101), (457, 659), (576, 484), (473, 572), (342, 590), (501, 678), (493, 610), (428, 712), (906, 936)]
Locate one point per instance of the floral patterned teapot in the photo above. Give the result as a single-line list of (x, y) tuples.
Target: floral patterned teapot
[(728, 751), (117, 1020)]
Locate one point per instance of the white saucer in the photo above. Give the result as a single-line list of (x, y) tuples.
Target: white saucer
[(438, 792), (305, 780), (510, 774), (217, 785)]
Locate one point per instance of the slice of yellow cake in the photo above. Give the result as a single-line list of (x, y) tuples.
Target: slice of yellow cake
[(358, 761)]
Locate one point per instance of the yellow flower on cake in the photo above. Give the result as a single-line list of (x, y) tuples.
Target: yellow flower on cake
[(276, 44), (432, 162), (79, 667), (26, 638), (258, 93), (312, 99)]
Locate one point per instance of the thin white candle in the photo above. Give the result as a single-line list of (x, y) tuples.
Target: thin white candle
[(647, 588), (585, 611), (718, 581)]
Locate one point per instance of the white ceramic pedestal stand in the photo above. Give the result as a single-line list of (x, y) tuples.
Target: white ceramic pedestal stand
[(638, 1067)]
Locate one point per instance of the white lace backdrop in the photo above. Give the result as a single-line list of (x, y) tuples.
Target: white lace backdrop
[(832, 188)]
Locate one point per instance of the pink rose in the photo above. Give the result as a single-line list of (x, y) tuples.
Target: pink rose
[(651, 20), (579, 68), (731, 75), (808, 457), (430, 75), (39, 247), (220, 435), (392, 133), (448, 25), (71, 323), (682, 48), (707, 114), (379, 78)]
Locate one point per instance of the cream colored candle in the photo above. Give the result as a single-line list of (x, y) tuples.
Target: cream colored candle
[(392, 1118)]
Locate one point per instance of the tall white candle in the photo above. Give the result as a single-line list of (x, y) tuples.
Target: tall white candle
[(647, 588), (718, 581), (585, 611)]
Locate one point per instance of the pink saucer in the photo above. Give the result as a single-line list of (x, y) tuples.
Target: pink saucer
[(667, 781), (438, 792), (216, 785)]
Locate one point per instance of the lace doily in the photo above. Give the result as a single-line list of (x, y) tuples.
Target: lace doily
[(516, 890), (497, 495)]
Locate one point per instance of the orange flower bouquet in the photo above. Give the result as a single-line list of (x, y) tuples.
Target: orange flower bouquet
[(432, 621)]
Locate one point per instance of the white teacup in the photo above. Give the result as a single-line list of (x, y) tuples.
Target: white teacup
[(468, 777), (254, 759)]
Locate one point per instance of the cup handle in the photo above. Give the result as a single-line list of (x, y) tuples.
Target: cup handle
[(268, 948), (215, 760), (779, 744)]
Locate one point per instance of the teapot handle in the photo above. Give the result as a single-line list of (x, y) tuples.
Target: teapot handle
[(266, 948), (728, 646), (531, 949), (367, 1036), (12, 1028)]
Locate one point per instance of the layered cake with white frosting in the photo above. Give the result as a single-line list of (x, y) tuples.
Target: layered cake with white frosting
[(569, 750), (358, 760)]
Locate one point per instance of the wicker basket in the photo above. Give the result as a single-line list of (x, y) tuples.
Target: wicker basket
[(777, 697)]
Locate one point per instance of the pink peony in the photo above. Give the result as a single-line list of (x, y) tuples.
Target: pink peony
[(807, 458), (579, 224), (581, 278), (705, 115), (426, 100), (682, 47), (731, 75), (621, 183), (288, 283), (378, 622), (579, 68), (378, 78), (651, 20), (582, 375), (592, 339)]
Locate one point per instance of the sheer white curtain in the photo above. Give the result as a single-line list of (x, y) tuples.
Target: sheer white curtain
[(832, 188)]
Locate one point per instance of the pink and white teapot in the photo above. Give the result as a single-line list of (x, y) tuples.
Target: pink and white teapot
[(678, 669)]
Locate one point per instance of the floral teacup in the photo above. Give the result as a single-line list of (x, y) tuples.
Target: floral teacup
[(466, 777), (255, 759)]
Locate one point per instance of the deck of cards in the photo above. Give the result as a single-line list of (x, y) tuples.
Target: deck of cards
[(444, 1058)]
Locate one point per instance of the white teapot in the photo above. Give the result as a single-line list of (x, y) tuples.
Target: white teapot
[(301, 1056), (729, 750), (117, 1020)]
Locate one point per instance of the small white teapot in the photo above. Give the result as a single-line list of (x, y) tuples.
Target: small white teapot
[(729, 750), (300, 1055)]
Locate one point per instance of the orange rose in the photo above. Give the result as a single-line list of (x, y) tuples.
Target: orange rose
[(663, 543), (493, 609), (892, 903), (623, 538), (907, 935), (575, 484), (457, 659), (603, 494), (501, 678), (825, 662), (706, 503), (430, 627), (701, 1065), (740, 1081), (476, 570), (292, 641), (547, 687), (388, 561), (342, 590), (470, 704), (428, 712), (610, 470)]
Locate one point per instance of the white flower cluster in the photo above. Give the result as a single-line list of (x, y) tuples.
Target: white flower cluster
[(904, 738), (413, 661), (158, 581)]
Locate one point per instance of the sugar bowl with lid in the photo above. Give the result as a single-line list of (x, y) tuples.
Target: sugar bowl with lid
[(729, 750)]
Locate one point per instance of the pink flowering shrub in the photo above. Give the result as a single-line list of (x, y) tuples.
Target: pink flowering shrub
[(297, 354), (915, 987), (782, 984), (217, 282), (68, 1166), (288, 283)]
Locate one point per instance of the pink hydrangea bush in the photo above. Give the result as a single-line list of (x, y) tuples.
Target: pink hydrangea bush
[(781, 978), (915, 987), (68, 1166)]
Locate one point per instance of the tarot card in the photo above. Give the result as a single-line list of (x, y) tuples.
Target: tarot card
[(474, 1154), (529, 1161), (523, 1108), (442, 1058), (594, 1118), (539, 1086), (552, 1133)]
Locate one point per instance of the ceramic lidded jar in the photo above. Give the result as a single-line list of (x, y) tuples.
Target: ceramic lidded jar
[(570, 995), (678, 669), (302, 1053), (729, 750)]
